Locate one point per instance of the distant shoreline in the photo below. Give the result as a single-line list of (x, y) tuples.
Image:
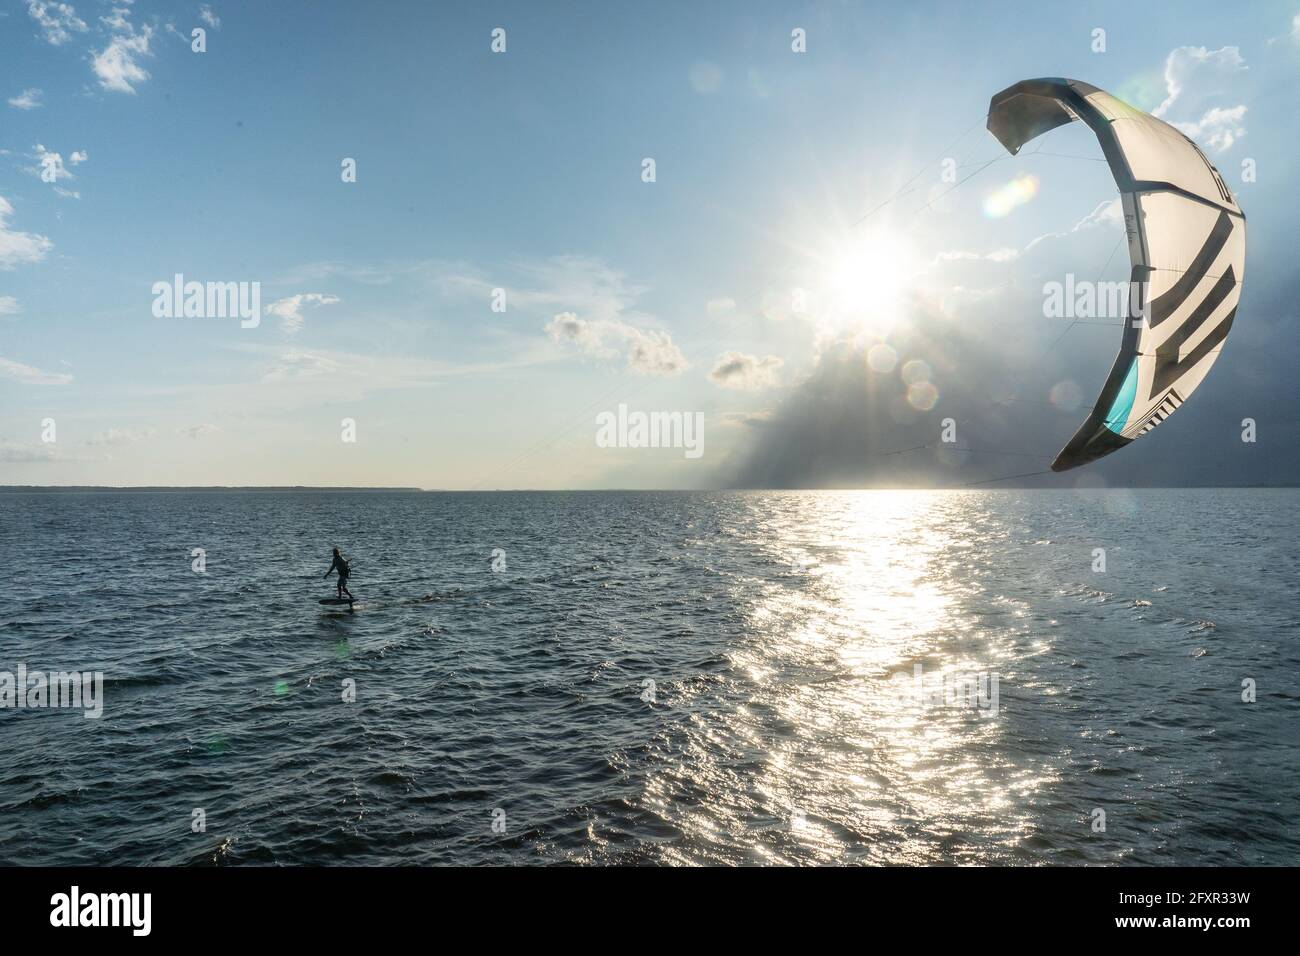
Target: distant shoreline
[(56, 489), (313, 489)]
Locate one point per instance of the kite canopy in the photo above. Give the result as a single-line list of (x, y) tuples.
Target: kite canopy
[(1186, 242)]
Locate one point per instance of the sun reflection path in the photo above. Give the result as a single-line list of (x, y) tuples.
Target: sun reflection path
[(836, 753)]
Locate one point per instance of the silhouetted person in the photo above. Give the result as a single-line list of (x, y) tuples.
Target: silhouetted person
[(342, 568)]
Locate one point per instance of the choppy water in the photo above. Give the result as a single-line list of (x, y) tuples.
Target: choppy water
[(774, 626)]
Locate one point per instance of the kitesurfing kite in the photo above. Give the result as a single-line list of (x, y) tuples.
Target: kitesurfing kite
[(1186, 242)]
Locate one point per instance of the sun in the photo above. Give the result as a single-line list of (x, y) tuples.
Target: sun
[(867, 280)]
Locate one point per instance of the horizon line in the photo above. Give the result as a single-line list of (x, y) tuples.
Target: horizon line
[(391, 489)]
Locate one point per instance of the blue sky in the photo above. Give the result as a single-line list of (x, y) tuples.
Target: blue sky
[(523, 171)]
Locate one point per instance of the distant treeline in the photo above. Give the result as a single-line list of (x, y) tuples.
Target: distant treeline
[(182, 488)]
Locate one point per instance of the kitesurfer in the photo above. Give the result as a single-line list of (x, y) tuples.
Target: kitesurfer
[(342, 568)]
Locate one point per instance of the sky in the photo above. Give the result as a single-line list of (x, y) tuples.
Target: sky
[(818, 254)]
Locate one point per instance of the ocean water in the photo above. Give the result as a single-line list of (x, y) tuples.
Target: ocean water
[(656, 678)]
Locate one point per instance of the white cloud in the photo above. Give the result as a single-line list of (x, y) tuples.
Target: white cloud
[(118, 20), (9, 305), (208, 17), (568, 328), (58, 21), (723, 305), (745, 372), (746, 419), (48, 159), (289, 310), (652, 352), (122, 436), (997, 255), (78, 156), (603, 297), (649, 351), (67, 193), (200, 431), (1292, 37), (15, 453), (19, 248), (312, 375), (116, 65), (28, 375), (1196, 81), (26, 100), (1193, 72), (1219, 128), (1108, 213), (298, 365)]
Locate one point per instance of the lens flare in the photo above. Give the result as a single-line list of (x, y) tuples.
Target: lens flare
[(1005, 198), (882, 358), (922, 396), (915, 372), (1066, 395)]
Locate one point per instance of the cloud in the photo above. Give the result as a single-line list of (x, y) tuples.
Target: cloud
[(9, 305), (67, 193), (1194, 72), (49, 160), (1108, 213), (19, 248), (746, 372), (1196, 79), (58, 21), (296, 365), (289, 310), (1219, 128), (200, 431), (26, 100), (28, 375), (78, 156), (648, 351), (651, 352), (997, 255), (867, 412), (116, 65), (119, 20), (597, 314), (724, 305), (208, 17), (312, 375), (1291, 37), (568, 328), (14, 453), (122, 436), (746, 419)]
